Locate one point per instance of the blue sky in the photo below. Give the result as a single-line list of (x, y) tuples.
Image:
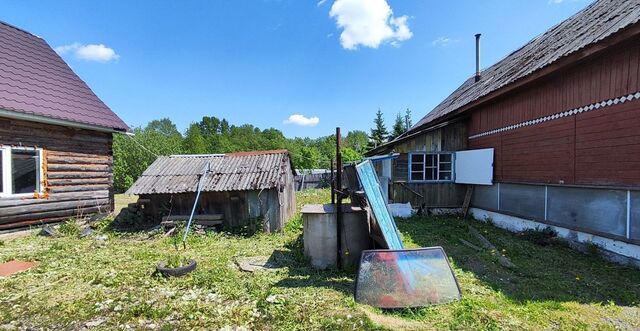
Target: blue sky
[(262, 61)]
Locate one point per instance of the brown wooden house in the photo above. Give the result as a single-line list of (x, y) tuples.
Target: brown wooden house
[(548, 136), (55, 137)]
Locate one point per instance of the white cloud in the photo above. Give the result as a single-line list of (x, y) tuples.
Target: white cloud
[(443, 41), (89, 52), (368, 23), (321, 2), (302, 120)]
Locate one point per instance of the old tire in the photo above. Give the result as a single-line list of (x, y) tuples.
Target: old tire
[(176, 272)]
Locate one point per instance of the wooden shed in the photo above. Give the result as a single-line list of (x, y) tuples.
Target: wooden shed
[(548, 136), (237, 188), (55, 137)]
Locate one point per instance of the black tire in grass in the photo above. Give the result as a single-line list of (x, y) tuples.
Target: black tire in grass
[(176, 272)]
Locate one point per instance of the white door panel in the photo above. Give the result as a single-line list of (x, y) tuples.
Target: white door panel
[(474, 167)]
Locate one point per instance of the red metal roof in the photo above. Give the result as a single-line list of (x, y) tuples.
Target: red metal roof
[(34, 80)]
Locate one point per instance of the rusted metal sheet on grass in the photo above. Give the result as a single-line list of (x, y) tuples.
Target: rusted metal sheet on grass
[(405, 278), (369, 181)]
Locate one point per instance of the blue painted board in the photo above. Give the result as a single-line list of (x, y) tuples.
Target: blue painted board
[(369, 181)]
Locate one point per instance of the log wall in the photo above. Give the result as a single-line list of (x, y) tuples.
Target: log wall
[(78, 178)]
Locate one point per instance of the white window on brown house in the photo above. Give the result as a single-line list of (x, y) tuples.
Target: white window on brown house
[(20, 171), (431, 167)]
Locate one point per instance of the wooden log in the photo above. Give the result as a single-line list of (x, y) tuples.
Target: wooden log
[(8, 211), (195, 221), (37, 132), (67, 196), (467, 200), (58, 153), (51, 214), (470, 245), (71, 175), (503, 260), (59, 189), (31, 223), (207, 217), (82, 160), (79, 167), (79, 181)]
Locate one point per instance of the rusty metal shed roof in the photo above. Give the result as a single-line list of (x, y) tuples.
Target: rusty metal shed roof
[(229, 172), (599, 20)]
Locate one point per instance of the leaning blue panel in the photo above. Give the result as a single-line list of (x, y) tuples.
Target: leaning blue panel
[(373, 191)]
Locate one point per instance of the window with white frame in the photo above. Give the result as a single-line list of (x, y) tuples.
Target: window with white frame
[(20, 170), (431, 167)]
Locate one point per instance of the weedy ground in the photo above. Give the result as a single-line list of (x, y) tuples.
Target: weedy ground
[(110, 284)]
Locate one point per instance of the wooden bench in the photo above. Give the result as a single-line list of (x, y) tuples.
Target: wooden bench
[(204, 220)]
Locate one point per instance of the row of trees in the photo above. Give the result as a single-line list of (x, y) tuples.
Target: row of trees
[(380, 134), (211, 135)]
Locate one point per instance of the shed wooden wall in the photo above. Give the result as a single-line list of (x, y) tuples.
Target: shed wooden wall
[(78, 176), (600, 147), (238, 207), (234, 205), (287, 194), (447, 139)]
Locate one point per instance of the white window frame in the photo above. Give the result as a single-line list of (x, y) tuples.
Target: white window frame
[(436, 167), (7, 172)]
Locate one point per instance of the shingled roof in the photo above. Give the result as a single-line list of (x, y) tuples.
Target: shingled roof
[(596, 22), (36, 82), (228, 172)]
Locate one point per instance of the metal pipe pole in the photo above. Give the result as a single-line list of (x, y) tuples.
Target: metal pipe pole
[(205, 170), (477, 76), (339, 196), (333, 193)]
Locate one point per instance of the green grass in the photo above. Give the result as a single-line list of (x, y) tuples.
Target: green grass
[(113, 283)]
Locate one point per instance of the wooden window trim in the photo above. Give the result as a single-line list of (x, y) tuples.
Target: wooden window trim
[(7, 173), (436, 167)]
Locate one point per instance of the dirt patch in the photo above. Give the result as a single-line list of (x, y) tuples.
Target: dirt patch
[(392, 322), (15, 266)]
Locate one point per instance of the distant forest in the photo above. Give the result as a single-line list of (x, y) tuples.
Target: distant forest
[(211, 135)]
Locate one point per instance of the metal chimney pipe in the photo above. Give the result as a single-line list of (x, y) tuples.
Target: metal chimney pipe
[(477, 78)]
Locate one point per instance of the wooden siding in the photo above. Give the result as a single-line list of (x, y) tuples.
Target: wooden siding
[(607, 149), (447, 139), (613, 74), (78, 176), (599, 147)]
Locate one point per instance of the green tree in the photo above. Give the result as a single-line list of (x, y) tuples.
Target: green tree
[(309, 158), (132, 154), (194, 142), (407, 120), (350, 155), (398, 127), (357, 140), (379, 133)]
